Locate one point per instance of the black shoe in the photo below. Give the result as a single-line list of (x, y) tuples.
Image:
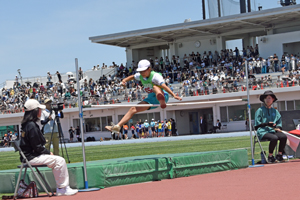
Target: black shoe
[(279, 158), (271, 159)]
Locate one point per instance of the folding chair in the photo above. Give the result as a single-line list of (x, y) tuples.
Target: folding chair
[(263, 140), (25, 165), (256, 140)]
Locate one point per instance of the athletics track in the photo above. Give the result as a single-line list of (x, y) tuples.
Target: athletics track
[(272, 181)]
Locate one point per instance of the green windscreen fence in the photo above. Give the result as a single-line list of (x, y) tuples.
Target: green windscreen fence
[(122, 171)]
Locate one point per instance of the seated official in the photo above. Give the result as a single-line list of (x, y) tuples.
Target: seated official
[(32, 144), (218, 126), (268, 125)]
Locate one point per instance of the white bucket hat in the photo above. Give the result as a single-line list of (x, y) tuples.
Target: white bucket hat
[(143, 65)]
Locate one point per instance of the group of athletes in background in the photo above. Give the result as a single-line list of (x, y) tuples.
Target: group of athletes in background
[(145, 129)]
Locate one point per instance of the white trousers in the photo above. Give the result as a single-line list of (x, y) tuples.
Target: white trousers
[(58, 166)]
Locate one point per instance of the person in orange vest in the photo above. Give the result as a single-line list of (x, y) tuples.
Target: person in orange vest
[(125, 127), (6, 140), (132, 128)]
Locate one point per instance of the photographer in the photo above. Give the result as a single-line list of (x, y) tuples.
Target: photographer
[(32, 144), (50, 128)]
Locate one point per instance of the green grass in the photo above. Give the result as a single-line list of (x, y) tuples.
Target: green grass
[(10, 160)]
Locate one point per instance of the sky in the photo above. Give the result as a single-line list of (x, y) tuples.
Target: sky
[(37, 36)]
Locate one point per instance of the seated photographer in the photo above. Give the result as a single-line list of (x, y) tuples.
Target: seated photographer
[(50, 128), (32, 144), (268, 125)]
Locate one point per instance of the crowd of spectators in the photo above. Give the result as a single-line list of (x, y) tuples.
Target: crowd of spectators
[(9, 136), (193, 74), (145, 129)]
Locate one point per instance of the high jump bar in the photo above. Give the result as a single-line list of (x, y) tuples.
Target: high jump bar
[(157, 105)]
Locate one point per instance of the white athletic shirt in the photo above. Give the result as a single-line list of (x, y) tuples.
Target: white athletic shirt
[(156, 80)]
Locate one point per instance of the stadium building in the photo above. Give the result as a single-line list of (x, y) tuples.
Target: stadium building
[(273, 30)]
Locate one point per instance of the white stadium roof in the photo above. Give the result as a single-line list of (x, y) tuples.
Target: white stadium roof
[(233, 26)]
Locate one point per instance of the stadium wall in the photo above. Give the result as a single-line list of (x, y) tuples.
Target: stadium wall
[(279, 43), (177, 48)]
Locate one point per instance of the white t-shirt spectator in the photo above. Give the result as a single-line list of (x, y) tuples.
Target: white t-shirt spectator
[(287, 59), (198, 85), (167, 81)]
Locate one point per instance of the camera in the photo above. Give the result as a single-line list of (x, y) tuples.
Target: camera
[(57, 107)]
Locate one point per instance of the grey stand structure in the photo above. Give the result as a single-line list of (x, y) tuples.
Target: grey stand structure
[(81, 133)]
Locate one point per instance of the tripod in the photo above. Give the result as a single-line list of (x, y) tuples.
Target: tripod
[(61, 136)]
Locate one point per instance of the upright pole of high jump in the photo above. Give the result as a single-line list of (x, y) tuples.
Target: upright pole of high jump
[(81, 132), (249, 112)]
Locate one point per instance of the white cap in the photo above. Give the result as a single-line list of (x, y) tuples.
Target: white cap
[(145, 120), (152, 119), (32, 104), (143, 65)]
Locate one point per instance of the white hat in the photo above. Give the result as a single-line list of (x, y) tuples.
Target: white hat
[(32, 104), (47, 100), (152, 119), (145, 120), (143, 65)]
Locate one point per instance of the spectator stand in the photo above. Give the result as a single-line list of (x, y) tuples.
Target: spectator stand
[(199, 75)]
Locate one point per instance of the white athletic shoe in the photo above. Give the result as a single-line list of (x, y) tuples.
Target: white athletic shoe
[(113, 128), (66, 191)]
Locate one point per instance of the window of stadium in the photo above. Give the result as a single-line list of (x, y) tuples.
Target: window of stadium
[(290, 105), (281, 105), (94, 124), (224, 116), (105, 121), (297, 104), (237, 113), (287, 105)]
